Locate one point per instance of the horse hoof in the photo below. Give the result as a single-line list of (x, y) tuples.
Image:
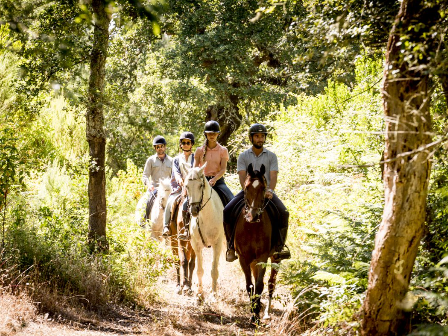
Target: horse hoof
[(187, 291), (212, 298), (266, 317), (255, 320), (178, 290), (200, 299)]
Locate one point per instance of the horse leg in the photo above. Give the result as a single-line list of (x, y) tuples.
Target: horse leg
[(249, 285), (175, 250), (215, 272), (199, 268), (191, 257), (271, 287), (258, 271)]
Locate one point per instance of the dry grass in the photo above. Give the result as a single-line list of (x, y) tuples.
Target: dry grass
[(166, 314), (17, 311)]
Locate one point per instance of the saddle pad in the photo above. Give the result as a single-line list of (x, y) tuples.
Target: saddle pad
[(175, 206)]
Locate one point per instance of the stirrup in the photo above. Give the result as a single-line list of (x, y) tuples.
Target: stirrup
[(184, 235), (166, 232), (283, 254), (230, 255)]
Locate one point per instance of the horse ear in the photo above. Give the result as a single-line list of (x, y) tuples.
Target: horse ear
[(185, 169), (201, 170), (250, 170), (262, 169)]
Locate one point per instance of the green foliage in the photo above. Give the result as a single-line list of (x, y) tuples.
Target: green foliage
[(9, 159), (48, 233), (327, 147)]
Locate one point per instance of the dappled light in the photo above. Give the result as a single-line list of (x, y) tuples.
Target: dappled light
[(99, 99)]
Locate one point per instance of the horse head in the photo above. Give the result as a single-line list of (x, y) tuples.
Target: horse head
[(195, 183), (254, 192)]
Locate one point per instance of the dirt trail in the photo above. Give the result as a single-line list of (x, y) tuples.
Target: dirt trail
[(173, 314)]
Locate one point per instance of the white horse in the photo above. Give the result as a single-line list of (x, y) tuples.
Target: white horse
[(158, 208), (206, 229)]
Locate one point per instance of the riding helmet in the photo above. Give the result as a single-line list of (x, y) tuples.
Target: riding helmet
[(257, 128), (187, 135), (159, 140), (212, 127)]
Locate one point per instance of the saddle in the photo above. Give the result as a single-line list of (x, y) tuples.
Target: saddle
[(149, 205)]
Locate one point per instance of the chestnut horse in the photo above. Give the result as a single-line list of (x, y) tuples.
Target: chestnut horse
[(186, 253), (253, 240)]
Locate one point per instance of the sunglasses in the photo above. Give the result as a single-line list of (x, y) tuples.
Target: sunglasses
[(186, 143)]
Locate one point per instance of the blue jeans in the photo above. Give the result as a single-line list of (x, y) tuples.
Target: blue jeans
[(222, 189)]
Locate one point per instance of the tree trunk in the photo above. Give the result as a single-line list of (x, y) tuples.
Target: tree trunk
[(406, 177), (228, 118), (95, 129)]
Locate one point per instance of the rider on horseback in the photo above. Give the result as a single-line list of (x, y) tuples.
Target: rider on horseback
[(258, 155), (216, 157), (186, 142), (157, 167)]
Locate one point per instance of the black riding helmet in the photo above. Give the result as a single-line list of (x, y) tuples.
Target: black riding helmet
[(257, 128), (212, 127), (187, 135), (159, 140)]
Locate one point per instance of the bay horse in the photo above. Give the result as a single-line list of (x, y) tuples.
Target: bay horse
[(184, 249), (158, 208), (206, 229), (253, 241)]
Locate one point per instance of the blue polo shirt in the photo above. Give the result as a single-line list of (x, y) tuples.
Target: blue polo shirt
[(266, 157)]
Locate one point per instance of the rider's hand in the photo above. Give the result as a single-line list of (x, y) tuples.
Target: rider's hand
[(151, 188), (212, 182), (269, 194)]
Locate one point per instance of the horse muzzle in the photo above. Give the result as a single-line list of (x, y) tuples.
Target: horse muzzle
[(195, 208), (250, 216)]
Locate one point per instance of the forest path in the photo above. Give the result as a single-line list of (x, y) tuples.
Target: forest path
[(172, 314)]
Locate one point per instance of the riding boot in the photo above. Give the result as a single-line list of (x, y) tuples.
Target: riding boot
[(185, 233), (229, 232), (282, 251)]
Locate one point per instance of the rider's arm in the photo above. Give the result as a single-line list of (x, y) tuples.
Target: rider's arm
[(198, 157), (176, 171), (242, 175), (147, 172), (273, 179), (272, 183), (222, 170)]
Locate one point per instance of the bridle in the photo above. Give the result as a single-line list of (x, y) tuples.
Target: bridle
[(258, 210), (202, 195), (202, 206)]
